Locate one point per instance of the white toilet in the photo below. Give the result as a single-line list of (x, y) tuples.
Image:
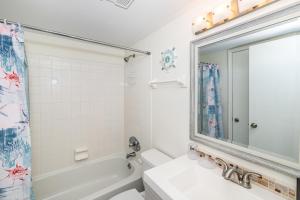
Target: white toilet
[(150, 158)]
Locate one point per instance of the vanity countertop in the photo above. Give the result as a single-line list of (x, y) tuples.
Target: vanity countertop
[(186, 179)]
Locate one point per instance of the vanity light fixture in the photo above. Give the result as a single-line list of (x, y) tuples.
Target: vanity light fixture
[(222, 12), (199, 23), (226, 11)]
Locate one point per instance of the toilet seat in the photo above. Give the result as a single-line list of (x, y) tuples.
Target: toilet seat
[(128, 195)]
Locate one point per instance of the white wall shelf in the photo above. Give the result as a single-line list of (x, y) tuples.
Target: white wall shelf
[(155, 83)]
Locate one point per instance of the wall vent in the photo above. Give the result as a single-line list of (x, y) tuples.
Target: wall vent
[(122, 3)]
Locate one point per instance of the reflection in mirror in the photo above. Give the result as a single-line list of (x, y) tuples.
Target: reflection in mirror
[(249, 90)]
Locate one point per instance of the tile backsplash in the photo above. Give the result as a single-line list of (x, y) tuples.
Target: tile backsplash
[(265, 182), (74, 103)]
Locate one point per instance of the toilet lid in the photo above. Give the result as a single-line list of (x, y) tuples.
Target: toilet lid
[(128, 195)]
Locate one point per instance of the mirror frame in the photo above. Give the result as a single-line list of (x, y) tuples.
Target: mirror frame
[(275, 18)]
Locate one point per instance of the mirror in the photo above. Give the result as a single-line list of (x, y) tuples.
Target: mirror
[(246, 91)]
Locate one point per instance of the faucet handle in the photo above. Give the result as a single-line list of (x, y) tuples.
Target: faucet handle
[(193, 147), (134, 144), (225, 166), (247, 177)]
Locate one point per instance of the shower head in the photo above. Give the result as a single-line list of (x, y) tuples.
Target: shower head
[(126, 59)]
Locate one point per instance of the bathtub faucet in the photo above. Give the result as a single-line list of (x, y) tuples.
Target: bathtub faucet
[(132, 154), (134, 144)]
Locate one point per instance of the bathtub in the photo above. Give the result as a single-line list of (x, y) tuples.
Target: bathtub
[(95, 180)]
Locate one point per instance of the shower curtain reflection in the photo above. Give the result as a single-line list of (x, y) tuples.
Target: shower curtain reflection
[(209, 104)]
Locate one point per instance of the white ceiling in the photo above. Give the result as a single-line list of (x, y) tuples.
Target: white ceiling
[(94, 19)]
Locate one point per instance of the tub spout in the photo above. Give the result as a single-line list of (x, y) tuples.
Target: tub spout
[(129, 155)]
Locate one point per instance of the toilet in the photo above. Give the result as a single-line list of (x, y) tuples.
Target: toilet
[(151, 158)]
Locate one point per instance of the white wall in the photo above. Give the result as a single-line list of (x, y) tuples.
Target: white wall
[(168, 109), (84, 108)]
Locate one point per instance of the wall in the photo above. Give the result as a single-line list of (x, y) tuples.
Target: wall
[(76, 100), (168, 107)]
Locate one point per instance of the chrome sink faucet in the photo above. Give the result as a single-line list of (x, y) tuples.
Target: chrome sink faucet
[(225, 166), (244, 179), (247, 177), (231, 171)]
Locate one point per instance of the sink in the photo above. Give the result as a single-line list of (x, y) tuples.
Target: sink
[(186, 179), (198, 183)]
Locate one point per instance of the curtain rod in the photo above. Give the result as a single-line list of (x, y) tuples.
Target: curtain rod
[(77, 37)]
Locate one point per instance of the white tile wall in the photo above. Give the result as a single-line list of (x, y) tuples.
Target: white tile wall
[(138, 101), (74, 103)]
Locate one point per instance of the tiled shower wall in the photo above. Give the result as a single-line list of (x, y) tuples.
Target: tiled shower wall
[(74, 102)]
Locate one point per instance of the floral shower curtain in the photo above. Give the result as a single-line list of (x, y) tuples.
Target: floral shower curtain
[(210, 109), (15, 147)]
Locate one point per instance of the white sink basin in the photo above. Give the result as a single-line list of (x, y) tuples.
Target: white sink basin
[(185, 179), (198, 183)]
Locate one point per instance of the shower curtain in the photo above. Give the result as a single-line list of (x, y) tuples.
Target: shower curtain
[(210, 109), (15, 147)]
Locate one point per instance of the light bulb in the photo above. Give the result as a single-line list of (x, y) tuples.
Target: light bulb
[(222, 12), (199, 24)]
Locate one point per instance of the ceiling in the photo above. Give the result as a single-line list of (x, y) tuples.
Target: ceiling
[(94, 19)]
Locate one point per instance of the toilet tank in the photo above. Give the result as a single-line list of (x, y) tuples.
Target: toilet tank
[(153, 158)]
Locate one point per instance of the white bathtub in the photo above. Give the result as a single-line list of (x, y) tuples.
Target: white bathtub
[(96, 180)]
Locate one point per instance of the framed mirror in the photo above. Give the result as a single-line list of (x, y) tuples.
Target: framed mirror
[(245, 91)]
